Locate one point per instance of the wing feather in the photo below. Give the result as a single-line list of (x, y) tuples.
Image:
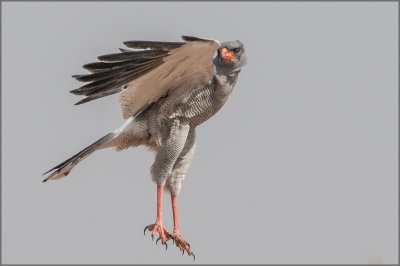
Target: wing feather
[(108, 76), (148, 73), (128, 56), (153, 45)]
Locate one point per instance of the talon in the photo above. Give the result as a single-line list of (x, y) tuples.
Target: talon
[(183, 252), (144, 231), (194, 257), (166, 246), (152, 237), (173, 240), (188, 245), (158, 240)]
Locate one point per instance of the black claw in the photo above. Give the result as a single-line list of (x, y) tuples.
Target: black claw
[(144, 231), (152, 237), (173, 240), (183, 252), (158, 240), (166, 246), (188, 245), (194, 257)]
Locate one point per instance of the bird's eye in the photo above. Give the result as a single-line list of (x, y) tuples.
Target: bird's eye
[(236, 50)]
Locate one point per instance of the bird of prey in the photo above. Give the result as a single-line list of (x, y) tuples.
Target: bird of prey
[(166, 90)]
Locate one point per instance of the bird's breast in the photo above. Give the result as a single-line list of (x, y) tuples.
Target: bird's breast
[(198, 104)]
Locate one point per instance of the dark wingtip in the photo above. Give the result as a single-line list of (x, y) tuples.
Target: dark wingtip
[(80, 77), (89, 66), (192, 39), (85, 100), (49, 171), (152, 45), (74, 91), (126, 43), (45, 180)]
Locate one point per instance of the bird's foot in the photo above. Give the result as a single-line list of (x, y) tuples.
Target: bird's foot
[(164, 235), (183, 245)]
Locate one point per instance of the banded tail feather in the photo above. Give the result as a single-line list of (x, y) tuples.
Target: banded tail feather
[(112, 139), (64, 168)]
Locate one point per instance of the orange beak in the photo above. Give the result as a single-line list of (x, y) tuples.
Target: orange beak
[(227, 55)]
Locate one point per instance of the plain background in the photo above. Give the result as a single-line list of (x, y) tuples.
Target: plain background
[(300, 166)]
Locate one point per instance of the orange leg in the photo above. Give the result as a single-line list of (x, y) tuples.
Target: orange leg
[(181, 243), (164, 235)]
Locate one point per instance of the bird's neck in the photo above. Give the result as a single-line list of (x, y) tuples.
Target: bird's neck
[(222, 69), (224, 85)]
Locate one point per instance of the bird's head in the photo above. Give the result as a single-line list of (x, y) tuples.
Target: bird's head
[(230, 56)]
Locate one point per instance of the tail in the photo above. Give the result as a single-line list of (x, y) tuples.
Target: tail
[(117, 139), (65, 167)]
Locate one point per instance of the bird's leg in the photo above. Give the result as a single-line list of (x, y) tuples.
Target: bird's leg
[(181, 243), (164, 235), (166, 157)]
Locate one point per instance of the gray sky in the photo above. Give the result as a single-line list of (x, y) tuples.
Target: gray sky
[(300, 165)]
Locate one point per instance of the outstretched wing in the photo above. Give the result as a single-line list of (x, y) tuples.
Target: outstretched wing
[(144, 76)]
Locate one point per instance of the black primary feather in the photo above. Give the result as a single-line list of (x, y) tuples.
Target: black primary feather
[(99, 94), (127, 56), (115, 78), (112, 86), (118, 68), (153, 45), (114, 70), (106, 66), (192, 39)]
